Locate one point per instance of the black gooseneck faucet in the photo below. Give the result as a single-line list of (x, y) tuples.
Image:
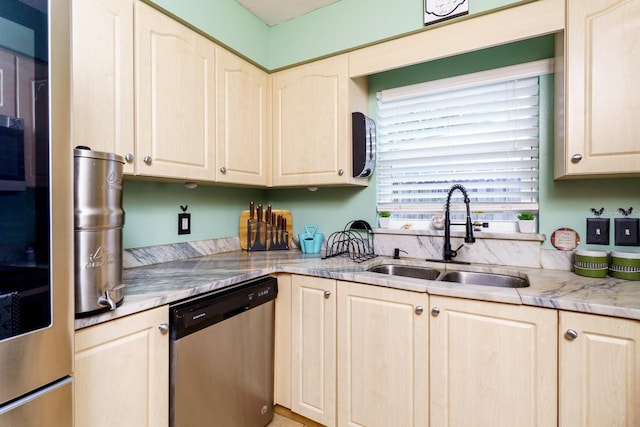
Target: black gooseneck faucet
[(449, 254)]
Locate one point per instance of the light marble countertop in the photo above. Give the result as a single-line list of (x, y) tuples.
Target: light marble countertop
[(164, 283)]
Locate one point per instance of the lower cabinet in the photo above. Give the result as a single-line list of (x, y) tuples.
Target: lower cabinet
[(359, 354), (599, 371), (350, 354), (492, 364), (313, 348), (383, 356), (122, 372)]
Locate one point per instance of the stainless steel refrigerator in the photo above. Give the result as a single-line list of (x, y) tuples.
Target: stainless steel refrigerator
[(36, 215)]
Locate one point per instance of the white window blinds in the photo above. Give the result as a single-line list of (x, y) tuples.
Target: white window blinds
[(478, 130)]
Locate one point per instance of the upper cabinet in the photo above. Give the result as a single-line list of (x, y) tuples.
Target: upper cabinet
[(175, 98), (102, 67), (597, 92), (243, 101), (312, 107)]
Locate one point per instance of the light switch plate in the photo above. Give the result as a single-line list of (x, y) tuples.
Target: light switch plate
[(598, 231), (627, 231), (184, 223)]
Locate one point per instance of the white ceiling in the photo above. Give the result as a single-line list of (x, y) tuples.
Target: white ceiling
[(273, 12)]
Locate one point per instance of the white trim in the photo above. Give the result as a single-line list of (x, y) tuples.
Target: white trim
[(513, 72)]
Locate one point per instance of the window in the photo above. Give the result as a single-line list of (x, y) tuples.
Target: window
[(480, 130)]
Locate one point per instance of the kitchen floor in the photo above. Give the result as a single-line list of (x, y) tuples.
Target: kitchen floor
[(283, 417), (280, 421)]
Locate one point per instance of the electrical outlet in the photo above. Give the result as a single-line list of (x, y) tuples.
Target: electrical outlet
[(598, 231), (184, 223), (627, 231)]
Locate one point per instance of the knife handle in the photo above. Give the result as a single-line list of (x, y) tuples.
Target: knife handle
[(260, 212), (251, 210)]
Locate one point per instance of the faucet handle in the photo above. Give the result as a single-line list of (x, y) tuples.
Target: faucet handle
[(454, 253)]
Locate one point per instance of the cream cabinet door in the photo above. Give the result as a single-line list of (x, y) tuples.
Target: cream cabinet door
[(601, 102), (599, 371), (313, 356), (121, 372), (492, 364), (383, 358), (282, 383), (242, 121), (7, 83), (102, 67), (175, 99), (312, 106)]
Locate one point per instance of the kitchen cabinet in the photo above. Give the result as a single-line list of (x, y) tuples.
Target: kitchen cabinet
[(243, 121), (599, 371), (597, 90), (492, 364), (313, 348), (383, 359), (122, 372), (282, 382), (312, 106), (175, 98), (102, 67)]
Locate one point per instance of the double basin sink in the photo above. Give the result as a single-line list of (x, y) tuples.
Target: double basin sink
[(463, 277)]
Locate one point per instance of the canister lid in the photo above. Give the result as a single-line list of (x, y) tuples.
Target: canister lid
[(627, 255), (584, 252), (86, 152)]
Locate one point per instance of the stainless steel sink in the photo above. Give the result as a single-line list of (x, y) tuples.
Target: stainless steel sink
[(486, 279), (407, 271)]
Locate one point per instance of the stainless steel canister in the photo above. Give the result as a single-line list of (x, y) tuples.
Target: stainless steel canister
[(98, 222)]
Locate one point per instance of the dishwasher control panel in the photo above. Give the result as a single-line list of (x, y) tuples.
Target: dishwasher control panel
[(200, 312)]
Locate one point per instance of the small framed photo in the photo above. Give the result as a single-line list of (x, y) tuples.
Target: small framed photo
[(440, 10)]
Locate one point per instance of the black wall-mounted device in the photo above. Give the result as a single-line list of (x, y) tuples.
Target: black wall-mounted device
[(364, 145)]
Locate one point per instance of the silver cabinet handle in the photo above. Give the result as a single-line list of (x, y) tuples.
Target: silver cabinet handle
[(435, 311), (128, 157), (223, 170), (147, 159), (327, 294), (340, 172), (419, 309), (164, 328), (571, 334), (576, 158)]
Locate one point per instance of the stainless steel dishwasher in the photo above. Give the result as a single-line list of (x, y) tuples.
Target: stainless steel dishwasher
[(222, 351)]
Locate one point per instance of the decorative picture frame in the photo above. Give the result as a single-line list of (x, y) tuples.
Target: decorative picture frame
[(440, 10)]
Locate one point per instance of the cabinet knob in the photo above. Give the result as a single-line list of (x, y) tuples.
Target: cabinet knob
[(164, 328), (340, 172), (223, 170), (147, 159), (571, 334), (327, 294), (435, 311), (576, 158), (128, 157), (419, 309)]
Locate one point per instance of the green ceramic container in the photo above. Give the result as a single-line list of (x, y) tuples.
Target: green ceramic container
[(591, 263), (625, 265)]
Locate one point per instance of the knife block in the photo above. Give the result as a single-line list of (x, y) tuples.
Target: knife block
[(243, 230), (262, 236)]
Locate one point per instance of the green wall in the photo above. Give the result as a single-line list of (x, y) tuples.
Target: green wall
[(152, 208), (343, 25), (227, 22)]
